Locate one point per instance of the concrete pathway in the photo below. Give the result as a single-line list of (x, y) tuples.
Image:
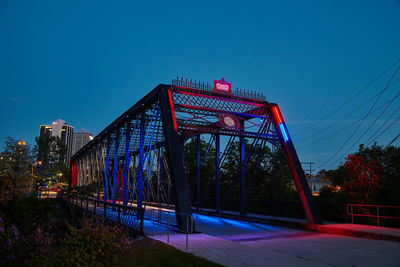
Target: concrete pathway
[(232, 242), (239, 243), (358, 230)]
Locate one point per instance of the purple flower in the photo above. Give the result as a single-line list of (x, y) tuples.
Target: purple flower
[(15, 232)]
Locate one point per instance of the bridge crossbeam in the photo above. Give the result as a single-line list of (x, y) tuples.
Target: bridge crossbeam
[(147, 142)]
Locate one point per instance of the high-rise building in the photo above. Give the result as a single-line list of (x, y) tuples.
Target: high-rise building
[(81, 139), (63, 131)]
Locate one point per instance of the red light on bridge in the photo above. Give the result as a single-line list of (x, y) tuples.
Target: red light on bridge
[(222, 86), (277, 114), (171, 102)]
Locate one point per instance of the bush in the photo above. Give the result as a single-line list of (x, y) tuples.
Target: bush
[(13, 246), (26, 213), (96, 243)]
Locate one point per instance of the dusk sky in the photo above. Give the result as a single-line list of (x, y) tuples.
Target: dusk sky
[(88, 61)]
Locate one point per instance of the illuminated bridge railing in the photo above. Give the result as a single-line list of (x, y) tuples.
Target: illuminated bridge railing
[(372, 211), (202, 86), (129, 216)]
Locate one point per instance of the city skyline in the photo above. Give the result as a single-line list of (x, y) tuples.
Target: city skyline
[(66, 133)]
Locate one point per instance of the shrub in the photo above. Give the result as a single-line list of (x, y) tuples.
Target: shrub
[(96, 243)]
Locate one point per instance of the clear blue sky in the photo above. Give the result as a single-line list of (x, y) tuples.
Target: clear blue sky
[(88, 61)]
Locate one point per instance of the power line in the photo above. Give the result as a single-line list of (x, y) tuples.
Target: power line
[(387, 128), (398, 119), (373, 62), (383, 125), (342, 129), (391, 142), (309, 163), (344, 117), (352, 97), (370, 126), (363, 119), (373, 123)]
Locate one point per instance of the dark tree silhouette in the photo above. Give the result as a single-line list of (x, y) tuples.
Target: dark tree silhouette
[(366, 177), (15, 163)]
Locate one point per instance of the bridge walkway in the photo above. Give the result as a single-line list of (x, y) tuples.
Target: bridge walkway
[(233, 242)]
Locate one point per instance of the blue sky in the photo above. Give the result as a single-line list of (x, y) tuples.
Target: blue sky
[(88, 61)]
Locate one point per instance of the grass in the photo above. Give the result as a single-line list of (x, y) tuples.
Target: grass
[(149, 252)]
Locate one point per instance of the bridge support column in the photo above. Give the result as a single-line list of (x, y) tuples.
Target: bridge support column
[(140, 182), (198, 173), (242, 176), (217, 178), (300, 181), (158, 174), (174, 157), (107, 170), (127, 160), (115, 167)]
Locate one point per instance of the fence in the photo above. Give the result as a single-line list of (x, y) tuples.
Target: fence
[(156, 219), (209, 88), (365, 211), (129, 216)]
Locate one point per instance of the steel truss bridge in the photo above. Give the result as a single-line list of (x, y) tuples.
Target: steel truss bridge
[(130, 157)]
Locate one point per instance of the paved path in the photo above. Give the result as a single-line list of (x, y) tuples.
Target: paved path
[(239, 243), (233, 242)]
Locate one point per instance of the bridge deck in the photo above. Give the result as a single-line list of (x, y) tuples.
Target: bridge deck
[(240, 243)]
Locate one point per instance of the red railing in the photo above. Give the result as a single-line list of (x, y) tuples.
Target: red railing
[(364, 211)]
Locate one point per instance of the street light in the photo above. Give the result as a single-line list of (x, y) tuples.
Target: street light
[(21, 143), (39, 164)]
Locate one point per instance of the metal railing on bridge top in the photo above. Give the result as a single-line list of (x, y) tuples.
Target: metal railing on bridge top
[(361, 210), (209, 88), (129, 216)]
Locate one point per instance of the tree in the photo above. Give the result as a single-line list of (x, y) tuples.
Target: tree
[(389, 157), (387, 162), (267, 177), (207, 170), (338, 176), (50, 153), (15, 163), (366, 177)]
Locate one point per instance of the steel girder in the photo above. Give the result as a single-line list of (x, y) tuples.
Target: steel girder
[(125, 151)]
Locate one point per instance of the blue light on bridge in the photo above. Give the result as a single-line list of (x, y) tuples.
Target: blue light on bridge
[(284, 133)]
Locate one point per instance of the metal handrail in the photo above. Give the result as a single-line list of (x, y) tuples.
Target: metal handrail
[(78, 201), (366, 214), (189, 222)]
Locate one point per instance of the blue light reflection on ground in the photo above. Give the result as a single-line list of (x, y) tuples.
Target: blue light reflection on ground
[(207, 219), (215, 226), (240, 224), (267, 227), (220, 226)]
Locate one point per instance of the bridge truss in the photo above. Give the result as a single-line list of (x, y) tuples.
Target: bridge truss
[(128, 159)]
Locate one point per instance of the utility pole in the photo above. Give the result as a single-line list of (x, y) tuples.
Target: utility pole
[(310, 173)]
